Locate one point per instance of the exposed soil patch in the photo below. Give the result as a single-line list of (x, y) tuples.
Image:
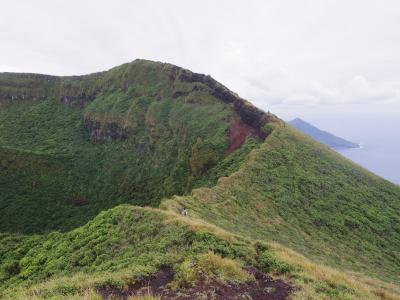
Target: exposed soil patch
[(157, 285), (238, 132), (263, 288)]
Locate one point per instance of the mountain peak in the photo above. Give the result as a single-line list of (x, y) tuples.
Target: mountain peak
[(322, 136)]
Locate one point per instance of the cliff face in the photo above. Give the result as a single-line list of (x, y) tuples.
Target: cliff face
[(26, 87)]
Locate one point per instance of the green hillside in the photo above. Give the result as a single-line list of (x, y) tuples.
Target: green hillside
[(84, 158), (298, 192), (136, 135)]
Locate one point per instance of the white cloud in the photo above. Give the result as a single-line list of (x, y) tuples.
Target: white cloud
[(284, 89), (306, 52), (5, 68), (360, 90)]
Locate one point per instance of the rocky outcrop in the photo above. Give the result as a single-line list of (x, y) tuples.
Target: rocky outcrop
[(178, 94), (102, 132), (252, 116), (20, 97), (218, 90), (80, 100)]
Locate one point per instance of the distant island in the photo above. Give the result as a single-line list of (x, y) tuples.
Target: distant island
[(322, 136)]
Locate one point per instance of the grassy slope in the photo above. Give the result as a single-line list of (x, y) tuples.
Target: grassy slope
[(127, 244), (117, 248), (307, 197)]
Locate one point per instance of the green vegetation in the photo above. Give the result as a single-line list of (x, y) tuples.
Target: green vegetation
[(117, 248), (127, 244), (81, 156)]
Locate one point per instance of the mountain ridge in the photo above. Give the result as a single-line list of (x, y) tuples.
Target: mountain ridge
[(68, 93)]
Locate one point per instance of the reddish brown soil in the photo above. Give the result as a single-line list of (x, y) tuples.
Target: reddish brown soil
[(263, 288), (238, 132)]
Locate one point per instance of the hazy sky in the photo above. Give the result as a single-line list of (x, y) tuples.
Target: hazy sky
[(293, 57)]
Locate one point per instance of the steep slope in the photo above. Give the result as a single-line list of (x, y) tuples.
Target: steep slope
[(72, 146), (322, 136), (302, 194)]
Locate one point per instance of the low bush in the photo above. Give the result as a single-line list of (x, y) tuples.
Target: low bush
[(271, 264)]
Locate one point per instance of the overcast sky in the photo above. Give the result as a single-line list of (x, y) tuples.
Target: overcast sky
[(292, 57)]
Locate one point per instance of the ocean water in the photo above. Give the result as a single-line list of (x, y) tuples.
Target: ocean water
[(379, 136), (382, 159)]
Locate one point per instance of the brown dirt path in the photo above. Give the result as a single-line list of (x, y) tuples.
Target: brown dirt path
[(263, 288)]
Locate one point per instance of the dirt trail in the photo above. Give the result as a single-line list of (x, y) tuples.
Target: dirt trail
[(263, 288)]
